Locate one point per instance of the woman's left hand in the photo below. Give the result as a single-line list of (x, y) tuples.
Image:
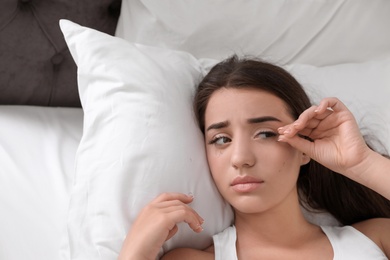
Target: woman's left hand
[(334, 138)]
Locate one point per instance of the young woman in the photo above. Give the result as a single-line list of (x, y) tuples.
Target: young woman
[(269, 152)]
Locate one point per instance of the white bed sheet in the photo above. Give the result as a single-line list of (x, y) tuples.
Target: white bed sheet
[(37, 150)]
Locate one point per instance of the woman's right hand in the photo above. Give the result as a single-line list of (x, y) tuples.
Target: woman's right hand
[(156, 223)]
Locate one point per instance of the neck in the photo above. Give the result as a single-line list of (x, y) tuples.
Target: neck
[(284, 224)]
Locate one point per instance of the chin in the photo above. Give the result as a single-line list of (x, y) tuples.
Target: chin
[(249, 205)]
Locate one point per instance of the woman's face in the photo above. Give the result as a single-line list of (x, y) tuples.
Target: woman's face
[(252, 170)]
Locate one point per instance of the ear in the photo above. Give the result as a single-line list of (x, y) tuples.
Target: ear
[(305, 159)]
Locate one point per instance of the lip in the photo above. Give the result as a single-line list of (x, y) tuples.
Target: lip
[(246, 184)]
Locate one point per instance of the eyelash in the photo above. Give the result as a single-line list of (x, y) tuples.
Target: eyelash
[(268, 134), (217, 138)]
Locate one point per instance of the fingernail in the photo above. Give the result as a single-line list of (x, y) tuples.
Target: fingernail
[(200, 228), (287, 131), (190, 194), (281, 138)]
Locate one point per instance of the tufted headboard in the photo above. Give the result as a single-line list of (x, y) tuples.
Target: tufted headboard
[(36, 67)]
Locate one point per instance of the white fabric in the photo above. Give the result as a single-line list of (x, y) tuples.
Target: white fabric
[(316, 32), (347, 243), (350, 244), (137, 104), (363, 87), (37, 145), (140, 139), (225, 244), (37, 152)]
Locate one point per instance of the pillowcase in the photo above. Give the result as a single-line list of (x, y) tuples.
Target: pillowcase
[(140, 139), (301, 31), (363, 87)]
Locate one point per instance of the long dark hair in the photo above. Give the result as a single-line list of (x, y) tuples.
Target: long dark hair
[(319, 188)]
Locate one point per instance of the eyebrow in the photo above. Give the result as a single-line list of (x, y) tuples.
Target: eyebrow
[(262, 119), (218, 125), (255, 120)]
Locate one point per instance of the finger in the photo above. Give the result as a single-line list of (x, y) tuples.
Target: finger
[(333, 103), (173, 205), (309, 120), (300, 123), (174, 196), (301, 144), (183, 210), (172, 232), (184, 213)]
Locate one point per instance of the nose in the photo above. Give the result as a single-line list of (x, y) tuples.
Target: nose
[(242, 155)]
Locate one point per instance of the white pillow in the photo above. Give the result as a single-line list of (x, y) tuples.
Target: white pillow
[(37, 152), (363, 87), (140, 139), (316, 32)]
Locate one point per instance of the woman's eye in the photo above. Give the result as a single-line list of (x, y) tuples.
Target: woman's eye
[(266, 134), (221, 140)]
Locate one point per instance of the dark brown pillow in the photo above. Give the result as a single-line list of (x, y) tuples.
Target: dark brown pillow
[(36, 67)]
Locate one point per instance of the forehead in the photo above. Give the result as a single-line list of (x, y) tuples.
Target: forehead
[(228, 103)]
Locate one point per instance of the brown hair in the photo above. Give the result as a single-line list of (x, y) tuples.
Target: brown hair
[(319, 188)]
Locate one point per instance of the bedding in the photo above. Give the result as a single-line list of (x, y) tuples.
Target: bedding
[(316, 32), (336, 48), (37, 148), (138, 116), (364, 87)]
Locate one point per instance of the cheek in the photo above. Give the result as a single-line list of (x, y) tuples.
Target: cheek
[(214, 156), (290, 165), (283, 160), (216, 163)]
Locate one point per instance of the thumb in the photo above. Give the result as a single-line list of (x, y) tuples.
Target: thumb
[(300, 143), (172, 232)]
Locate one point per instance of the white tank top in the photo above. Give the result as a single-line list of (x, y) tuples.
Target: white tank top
[(348, 244)]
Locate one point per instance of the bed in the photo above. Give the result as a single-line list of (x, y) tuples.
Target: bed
[(95, 105)]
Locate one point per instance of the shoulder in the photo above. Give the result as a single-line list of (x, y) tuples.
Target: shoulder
[(378, 230), (373, 227), (189, 254)]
